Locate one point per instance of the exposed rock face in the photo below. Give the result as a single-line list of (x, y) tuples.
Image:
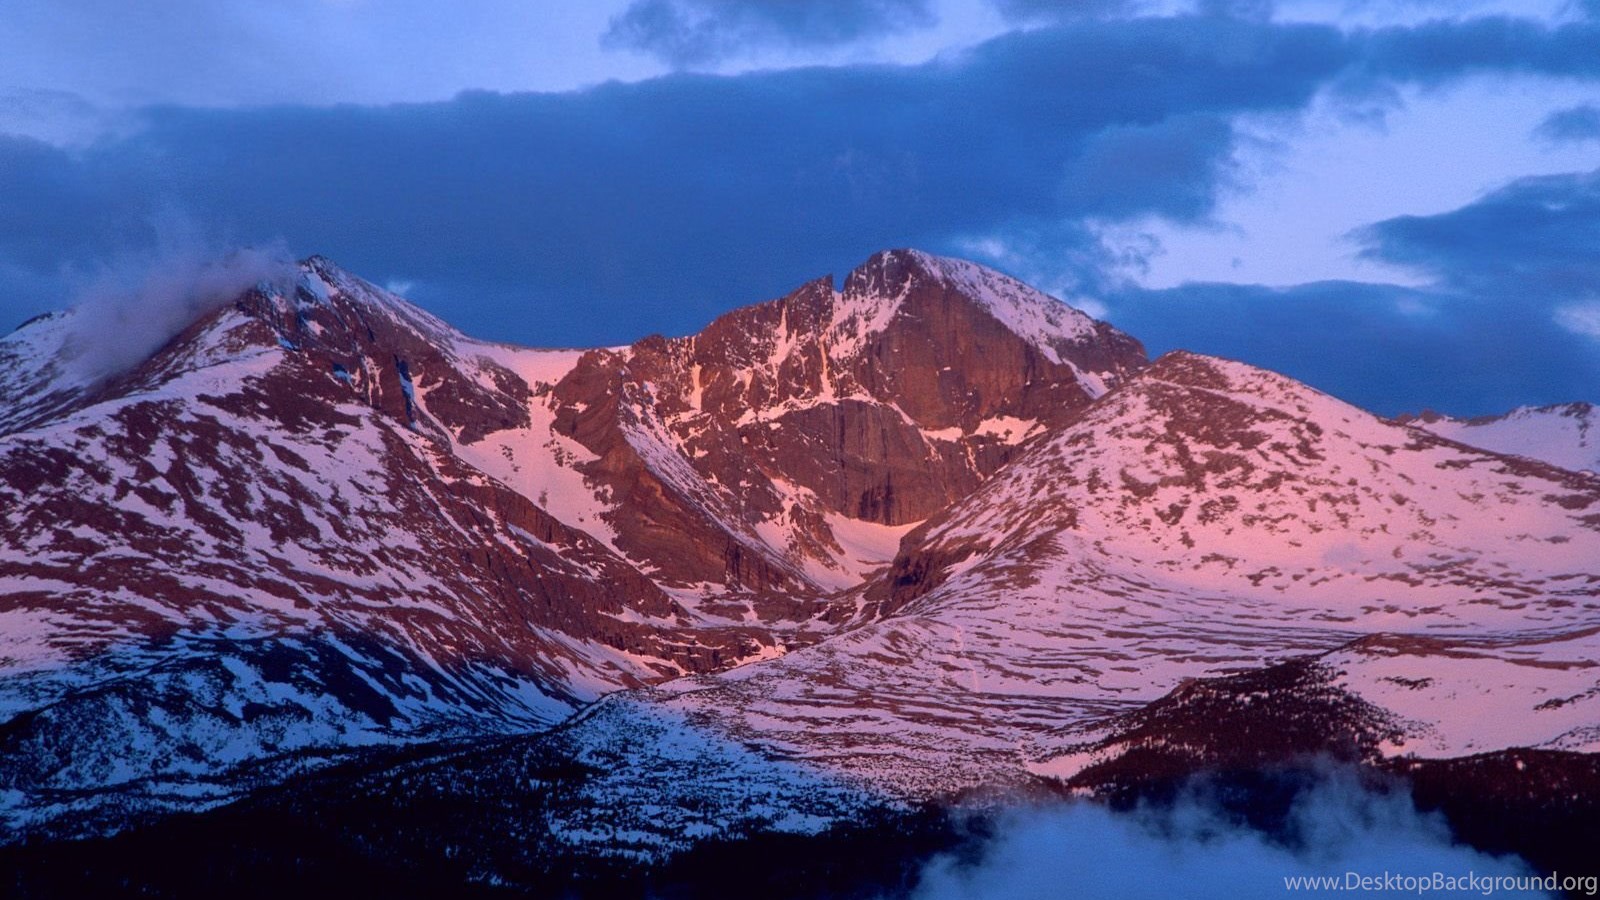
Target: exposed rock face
[(278, 461), (731, 449)]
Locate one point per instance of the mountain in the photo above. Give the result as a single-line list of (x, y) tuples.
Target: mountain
[(783, 451), (1204, 518), (321, 519), (860, 554), (1565, 435), (258, 544)]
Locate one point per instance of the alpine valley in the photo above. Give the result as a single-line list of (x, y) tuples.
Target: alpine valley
[(324, 592)]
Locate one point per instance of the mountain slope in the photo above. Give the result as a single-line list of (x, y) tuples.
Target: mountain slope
[(1567, 435), (259, 542), (1203, 519)]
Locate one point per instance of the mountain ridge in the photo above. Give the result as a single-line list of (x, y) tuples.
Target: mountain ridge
[(883, 543), (1563, 434)]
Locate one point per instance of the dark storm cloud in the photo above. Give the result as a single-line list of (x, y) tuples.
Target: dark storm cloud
[(1047, 10), (1385, 348), (667, 201), (56, 210), (1444, 49), (1534, 238), (1571, 125), (1510, 320), (692, 32), (679, 197)]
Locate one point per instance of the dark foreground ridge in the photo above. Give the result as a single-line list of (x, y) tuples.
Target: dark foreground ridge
[(344, 834)]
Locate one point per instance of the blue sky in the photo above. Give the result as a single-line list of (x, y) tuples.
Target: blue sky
[(1395, 200)]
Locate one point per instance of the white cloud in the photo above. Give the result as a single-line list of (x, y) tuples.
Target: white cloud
[(1308, 181), (1196, 850), (1580, 318), (128, 308)]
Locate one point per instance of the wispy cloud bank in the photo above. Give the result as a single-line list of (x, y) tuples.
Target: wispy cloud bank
[(693, 32), (1197, 849), (1580, 318), (671, 200), (1572, 125), (126, 309), (1534, 243)]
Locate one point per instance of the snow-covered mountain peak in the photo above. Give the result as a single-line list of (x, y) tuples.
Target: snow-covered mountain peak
[(1231, 479), (322, 281), (178, 323), (1565, 435), (886, 286)]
